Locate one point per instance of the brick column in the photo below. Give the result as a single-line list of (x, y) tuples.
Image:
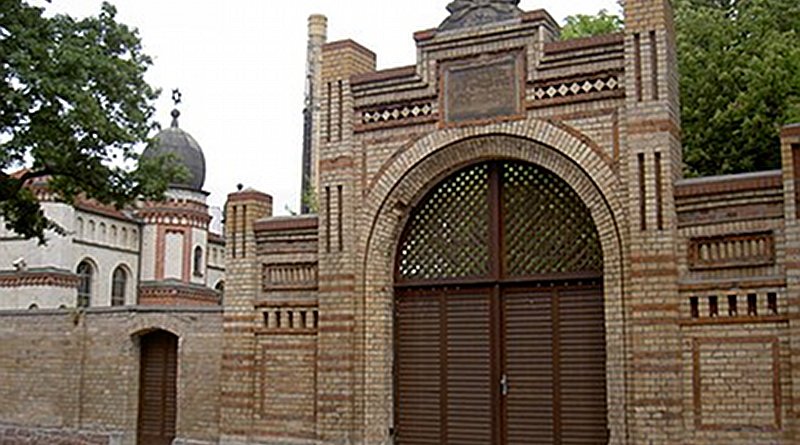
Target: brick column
[(242, 284), (339, 167), (652, 162), (790, 153)]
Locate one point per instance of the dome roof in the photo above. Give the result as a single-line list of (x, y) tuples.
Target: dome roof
[(186, 151)]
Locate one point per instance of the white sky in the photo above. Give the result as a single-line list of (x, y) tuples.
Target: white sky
[(241, 66)]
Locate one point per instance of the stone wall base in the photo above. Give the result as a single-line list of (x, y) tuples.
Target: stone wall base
[(17, 435)]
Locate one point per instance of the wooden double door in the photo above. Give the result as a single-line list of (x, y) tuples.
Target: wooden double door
[(503, 365), (499, 314)]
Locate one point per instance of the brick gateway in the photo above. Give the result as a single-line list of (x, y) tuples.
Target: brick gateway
[(676, 298)]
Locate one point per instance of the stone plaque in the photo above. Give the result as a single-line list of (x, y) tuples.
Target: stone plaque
[(482, 90)]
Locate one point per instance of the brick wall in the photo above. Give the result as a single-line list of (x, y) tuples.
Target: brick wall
[(77, 373)]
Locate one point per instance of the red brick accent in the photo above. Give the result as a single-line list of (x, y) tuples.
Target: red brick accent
[(340, 163), (250, 195), (616, 39), (732, 184), (655, 126), (539, 15), (39, 278), (279, 224), (92, 206), (425, 34), (791, 131), (388, 74), (176, 295)]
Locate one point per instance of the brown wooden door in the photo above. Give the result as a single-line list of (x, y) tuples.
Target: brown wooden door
[(499, 314), (158, 388)]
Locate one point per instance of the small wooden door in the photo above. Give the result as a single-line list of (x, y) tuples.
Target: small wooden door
[(157, 388)]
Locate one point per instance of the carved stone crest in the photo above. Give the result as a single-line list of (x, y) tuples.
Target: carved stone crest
[(468, 13)]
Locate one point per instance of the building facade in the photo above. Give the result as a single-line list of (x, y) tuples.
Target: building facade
[(151, 254), (505, 252)]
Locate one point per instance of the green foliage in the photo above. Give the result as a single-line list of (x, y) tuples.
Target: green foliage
[(309, 200), (581, 25), (75, 106), (740, 81)]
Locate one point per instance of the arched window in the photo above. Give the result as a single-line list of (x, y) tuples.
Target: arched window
[(119, 282), (79, 227), (198, 261), (85, 274)]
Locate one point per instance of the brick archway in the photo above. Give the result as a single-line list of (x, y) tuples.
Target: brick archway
[(411, 173)]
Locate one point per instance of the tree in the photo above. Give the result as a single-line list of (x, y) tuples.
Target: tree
[(739, 67), (581, 25), (74, 107)]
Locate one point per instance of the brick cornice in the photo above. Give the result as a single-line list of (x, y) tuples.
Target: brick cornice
[(39, 278), (348, 44), (169, 293), (791, 131), (728, 184), (249, 195), (615, 39), (281, 224), (388, 74)]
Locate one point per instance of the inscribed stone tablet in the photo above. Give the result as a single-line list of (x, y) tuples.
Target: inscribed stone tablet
[(482, 90)]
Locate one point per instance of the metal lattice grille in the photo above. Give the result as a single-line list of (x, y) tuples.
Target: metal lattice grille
[(544, 227), (548, 229), (448, 235)]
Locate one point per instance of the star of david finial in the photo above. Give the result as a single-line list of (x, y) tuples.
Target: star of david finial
[(177, 96)]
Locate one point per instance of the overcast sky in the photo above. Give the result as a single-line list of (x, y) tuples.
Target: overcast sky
[(241, 65)]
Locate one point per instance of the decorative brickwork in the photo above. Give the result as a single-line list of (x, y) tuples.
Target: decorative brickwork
[(542, 233)]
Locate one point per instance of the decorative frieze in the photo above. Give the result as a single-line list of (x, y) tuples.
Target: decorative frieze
[(577, 87), (727, 251), (302, 276), (396, 112), (730, 307), (290, 319)]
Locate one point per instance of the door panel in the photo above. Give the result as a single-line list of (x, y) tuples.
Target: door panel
[(419, 370), (158, 389), (528, 357), (469, 403), (583, 372)]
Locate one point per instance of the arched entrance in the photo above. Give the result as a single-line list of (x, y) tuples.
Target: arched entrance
[(158, 376), (499, 317)]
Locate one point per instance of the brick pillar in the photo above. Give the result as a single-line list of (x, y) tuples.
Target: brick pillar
[(790, 153), (652, 162), (317, 36), (242, 284), (339, 167)]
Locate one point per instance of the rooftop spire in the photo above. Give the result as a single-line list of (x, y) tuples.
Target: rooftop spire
[(177, 98)]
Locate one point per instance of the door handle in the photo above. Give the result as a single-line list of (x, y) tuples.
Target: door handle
[(504, 385)]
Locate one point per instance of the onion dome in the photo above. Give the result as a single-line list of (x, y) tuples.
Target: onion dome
[(185, 150)]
